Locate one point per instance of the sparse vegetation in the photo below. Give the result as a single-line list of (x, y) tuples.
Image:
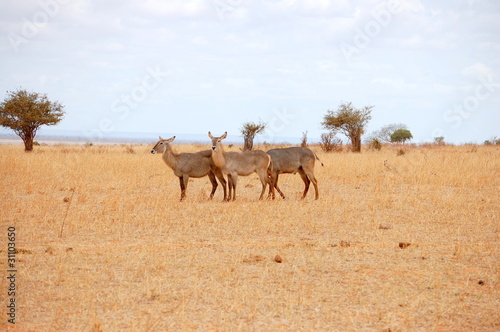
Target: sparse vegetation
[(492, 141), (303, 140), (383, 135), (375, 144), (133, 258), (439, 140), (330, 142), (129, 149)]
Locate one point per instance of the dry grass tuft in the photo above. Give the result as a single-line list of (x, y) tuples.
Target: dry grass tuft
[(105, 245)]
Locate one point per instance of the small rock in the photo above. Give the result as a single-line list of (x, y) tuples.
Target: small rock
[(66, 199), (385, 226), (278, 259), (253, 259), (345, 244), (404, 245), (481, 282)]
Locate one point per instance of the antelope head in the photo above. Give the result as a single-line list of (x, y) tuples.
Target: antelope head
[(161, 145), (216, 141)]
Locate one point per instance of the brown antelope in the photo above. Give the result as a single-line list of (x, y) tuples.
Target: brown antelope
[(293, 160), (241, 163), (187, 165)]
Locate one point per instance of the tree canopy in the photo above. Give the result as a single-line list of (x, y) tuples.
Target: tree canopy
[(24, 112), (401, 136), (350, 121)]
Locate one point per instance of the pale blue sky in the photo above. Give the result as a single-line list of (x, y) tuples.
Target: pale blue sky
[(187, 67)]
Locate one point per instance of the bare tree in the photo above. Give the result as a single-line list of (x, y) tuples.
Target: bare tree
[(383, 135)]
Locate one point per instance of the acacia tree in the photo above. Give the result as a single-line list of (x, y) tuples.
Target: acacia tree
[(24, 112), (439, 140), (249, 131), (350, 121), (401, 136)]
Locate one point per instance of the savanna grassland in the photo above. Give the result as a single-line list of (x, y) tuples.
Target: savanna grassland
[(395, 243)]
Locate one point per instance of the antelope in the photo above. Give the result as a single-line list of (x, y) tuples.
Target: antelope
[(293, 160), (241, 163), (185, 165)]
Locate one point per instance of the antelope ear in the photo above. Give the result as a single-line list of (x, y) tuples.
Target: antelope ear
[(224, 136), (161, 139), (171, 139), (210, 135)]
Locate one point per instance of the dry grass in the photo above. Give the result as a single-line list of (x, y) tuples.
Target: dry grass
[(132, 257)]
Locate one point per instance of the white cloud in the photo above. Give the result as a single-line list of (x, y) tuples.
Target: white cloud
[(257, 45), (281, 5), (114, 47), (409, 6), (239, 82), (199, 40), (174, 8), (478, 70)]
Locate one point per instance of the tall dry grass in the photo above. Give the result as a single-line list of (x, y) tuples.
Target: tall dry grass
[(104, 243)]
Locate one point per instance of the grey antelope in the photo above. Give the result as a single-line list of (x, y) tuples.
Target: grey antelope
[(293, 160), (241, 163), (187, 165)]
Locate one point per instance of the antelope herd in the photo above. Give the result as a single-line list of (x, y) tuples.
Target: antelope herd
[(217, 162)]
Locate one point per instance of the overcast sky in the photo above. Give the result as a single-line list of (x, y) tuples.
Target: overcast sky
[(189, 66)]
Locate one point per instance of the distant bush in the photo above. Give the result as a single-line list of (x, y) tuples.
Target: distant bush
[(439, 140), (303, 140), (375, 144), (330, 143), (492, 141), (129, 149)]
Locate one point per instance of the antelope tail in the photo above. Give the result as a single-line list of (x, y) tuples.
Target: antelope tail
[(318, 159)]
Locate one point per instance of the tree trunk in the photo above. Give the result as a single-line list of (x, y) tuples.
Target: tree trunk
[(248, 145), (356, 142), (28, 141)]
